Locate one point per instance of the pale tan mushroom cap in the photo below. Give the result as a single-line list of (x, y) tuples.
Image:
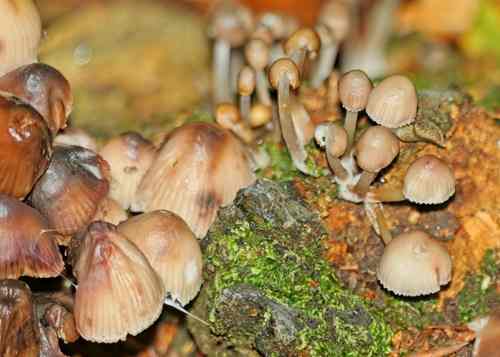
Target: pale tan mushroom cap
[(429, 181), (227, 115), (414, 264), (246, 81), (20, 34), (335, 15), (332, 137), (354, 90), (304, 38), (284, 67), (376, 148), (393, 103), (171, 248), (487, 343), (260, 115), (257, 54), (231, 23)]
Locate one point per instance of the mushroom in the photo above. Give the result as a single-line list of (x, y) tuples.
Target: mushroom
[(129, 156), (375, 150), (260, 115), (77, 137), (202, 154), (228, 117), (18, 327), (26, 147), (333, 27), (284, 74), (71, 189), (257, 55), (333, 138), (20, 34), (354, 89), (393, 102), (304, 41), (172, 250), (110, 211), (428, 181), (414, 264), (45, 89), (27, 244), (246, 86), (487, 331), (118, 291)]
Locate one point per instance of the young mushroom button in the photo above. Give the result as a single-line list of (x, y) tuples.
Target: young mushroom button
[(246, 86), (302, 42), (257, 55), (333, 138)]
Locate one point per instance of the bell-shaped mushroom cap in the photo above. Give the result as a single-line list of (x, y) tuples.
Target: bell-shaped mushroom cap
[(332, 137), (77, 137), (199, 168), (171, 248), (354, 89), (414, 264), (284, 67), (71, 189), (376, 148), (260, 115), (336, 16), (129, 157), (429, 181), (246, 81), (25, 144), (118, 291), (45, 89), (27, 246), (18, 325), (487, 331), (231, 23), (257, 54), (393, 103), (227, 115), (303, 39), (20, 34)]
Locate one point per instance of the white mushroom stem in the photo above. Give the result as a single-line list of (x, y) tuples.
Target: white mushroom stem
[(245, 104), (297, 151), (176, 305), (262, 88), (364, 183), (350, 122), (237, 61), (299, 57), (337, 168), (222, 55), (327, 57)]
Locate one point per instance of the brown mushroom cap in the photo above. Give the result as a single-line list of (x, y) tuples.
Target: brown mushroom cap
[(487, 335), (227, 115), (332, 137), (118, 291), (304, 38), (20, 34), (202, 155), (257, 54), (429, 181), (246, 81), (28, 246), (44, 88), (260, 115), (172, 250), (26, 147), (354, 90), (129, 156), (414, 264), (393, 102), (281, 68), (110, 211), (71, 189), (376, 148)]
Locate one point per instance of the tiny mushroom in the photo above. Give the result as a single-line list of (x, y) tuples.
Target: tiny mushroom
[(302, 43), (333, 138), (487, 331), (375, 150), (414, 264), (354, 89), (257, 55), (260, 115), (393, 102), (228, 117), (246, 86), (112, 271)]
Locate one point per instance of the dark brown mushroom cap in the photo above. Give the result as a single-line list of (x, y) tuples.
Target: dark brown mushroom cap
[(172, 250), (18, 325), (28, 246), (393, 102), (71, 189), (354, 90), (45, 89), (246, 81), (118, 291), (231, 23), (376, 148), (304, 38), (284, 67), (26, 147), (332, 137), (487, 335), (336, 16), (257, 54), (414, 264), (429, 181)]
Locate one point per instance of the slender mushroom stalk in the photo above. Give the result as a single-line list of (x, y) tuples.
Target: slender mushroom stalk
[(222, 55), (333, 27), (354, 90), (284, 74), (257, 55), (333, 139), (228, 116), (375, 150), (302, 42), (375, 213), (246, 86)]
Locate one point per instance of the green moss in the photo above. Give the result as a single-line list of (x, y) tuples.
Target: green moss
[(491, 101), (281, 167)]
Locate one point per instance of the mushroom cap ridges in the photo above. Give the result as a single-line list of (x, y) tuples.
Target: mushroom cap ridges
[(354, 90), (429, 181), (414, 264), (112, 271), (172, 250), (211, 159), (376, 148), (393, 102)]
